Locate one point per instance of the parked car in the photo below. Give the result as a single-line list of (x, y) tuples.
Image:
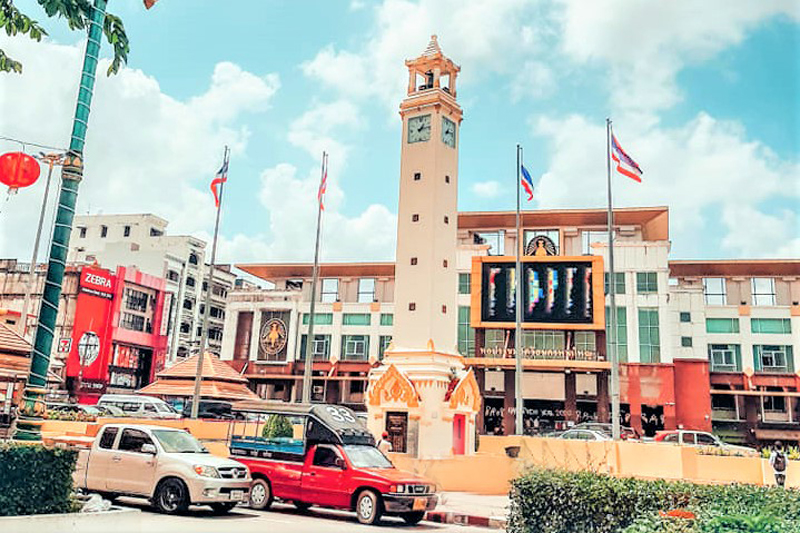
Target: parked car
[(110, 410), (214, 409), (625, 432), (584, 434), (700, 438), (168, 466), (322, 455), (139, 406)]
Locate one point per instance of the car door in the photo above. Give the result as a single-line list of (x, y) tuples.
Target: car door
[(100, 460), (324, 479), (132, 471)]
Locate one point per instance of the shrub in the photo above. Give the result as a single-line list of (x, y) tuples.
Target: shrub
[(557, 501), (35, 479)]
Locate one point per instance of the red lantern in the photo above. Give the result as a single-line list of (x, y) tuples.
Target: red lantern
[(18, 169)]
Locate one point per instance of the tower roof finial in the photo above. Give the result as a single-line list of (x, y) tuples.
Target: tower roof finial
[(433, 47)]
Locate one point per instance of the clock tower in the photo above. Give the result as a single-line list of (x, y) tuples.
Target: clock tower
[(426, 278), (421, 395)]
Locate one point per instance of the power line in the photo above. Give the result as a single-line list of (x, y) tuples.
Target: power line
[(27, 143)]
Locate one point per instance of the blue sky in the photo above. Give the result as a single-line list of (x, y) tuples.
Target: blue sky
[(703, 96)]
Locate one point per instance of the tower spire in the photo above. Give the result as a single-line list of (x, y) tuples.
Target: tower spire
[(433, 47)]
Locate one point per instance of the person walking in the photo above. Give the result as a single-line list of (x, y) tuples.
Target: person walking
[(384, 445), (778, 461)]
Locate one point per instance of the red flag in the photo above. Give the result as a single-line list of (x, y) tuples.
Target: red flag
[(222, 177), (323, 186)]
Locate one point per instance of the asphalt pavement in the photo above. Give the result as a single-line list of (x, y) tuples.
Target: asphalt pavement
[(280, 518)]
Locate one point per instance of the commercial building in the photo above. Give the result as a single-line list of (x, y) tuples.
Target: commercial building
[(141, 241)]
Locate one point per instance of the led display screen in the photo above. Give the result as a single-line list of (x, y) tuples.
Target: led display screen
[(552, 292)]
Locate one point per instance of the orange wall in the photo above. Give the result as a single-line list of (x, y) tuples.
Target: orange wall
[(693, 394)]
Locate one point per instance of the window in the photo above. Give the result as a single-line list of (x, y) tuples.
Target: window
[(132, 322), (725, 357), (466, 335), (108, 438), (417, 176), (412, 306), (294, 284), (446, 219), (188, 304), (186, 327), (585, 340), (173, 275), (646, 282), (775, 404), (82, 232), (330, 290), (447, 179), (496, 338), (126, 231), (326, 457), (356, 319), (320, 319), (413, 261), (193, 260), (622, 333), (321, 350), (649, 343), (366, 290), (190, 281), (464, 282), (722, 325), (132, 440), (589, 238), (387, 319), (135, 300), (355, 347), (770, 325), (714, 291), (383, 345), (444, 263), (544, 340), (705, 440), (619, 282), (771, 358), (415, 218), (686, 316), (156, 232), (686, 342), (103, 231), (444, 309), (763, 291), (495, 240)]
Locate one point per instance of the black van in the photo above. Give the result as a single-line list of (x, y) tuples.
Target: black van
[(214, 409)]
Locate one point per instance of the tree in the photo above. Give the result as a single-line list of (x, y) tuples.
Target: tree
[(277, 426), (76, 13)]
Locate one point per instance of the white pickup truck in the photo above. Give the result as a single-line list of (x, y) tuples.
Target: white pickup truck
[(166, 465)]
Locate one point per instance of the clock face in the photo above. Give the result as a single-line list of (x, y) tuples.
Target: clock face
[(419, 128), (448, 132)]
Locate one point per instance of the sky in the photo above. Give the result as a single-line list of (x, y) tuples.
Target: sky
[(703, 95)]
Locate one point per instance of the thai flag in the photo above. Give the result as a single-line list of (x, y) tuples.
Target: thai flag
[(221, 177), (625, 165), (527, 182), (323, 186)]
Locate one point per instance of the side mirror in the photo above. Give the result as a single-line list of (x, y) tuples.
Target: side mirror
[(339, 463), (149, 448)]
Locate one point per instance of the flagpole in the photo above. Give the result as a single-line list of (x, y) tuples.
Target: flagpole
[(309, 359), (198, 377), (518, 406), (612, 330)]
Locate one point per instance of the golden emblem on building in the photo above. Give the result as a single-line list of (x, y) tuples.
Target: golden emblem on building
[(273, 336)]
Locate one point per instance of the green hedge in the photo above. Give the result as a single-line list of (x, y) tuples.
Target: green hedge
[(557, 501), (35, 479)]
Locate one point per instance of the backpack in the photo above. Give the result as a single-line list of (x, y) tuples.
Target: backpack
[(780, 462)]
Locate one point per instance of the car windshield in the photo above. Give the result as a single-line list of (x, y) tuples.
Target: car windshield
[(362, 456), (178, 442), (163, 408)]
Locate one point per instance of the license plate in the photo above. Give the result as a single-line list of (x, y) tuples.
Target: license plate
[(237, 495), (420, 504)]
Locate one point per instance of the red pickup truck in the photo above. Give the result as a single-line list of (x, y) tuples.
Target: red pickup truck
[(321, 455)]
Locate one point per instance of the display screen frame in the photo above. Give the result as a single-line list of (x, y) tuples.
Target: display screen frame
[(477, 299)]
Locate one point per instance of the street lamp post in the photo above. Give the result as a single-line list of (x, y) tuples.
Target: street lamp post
[(33, 407)]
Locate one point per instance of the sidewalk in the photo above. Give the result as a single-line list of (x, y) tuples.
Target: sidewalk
[(471, 509)]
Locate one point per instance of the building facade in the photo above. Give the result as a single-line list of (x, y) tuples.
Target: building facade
[(141, 240)]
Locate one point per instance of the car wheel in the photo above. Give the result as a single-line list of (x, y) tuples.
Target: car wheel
[(222, 508), (368, 507), (414, 518), (172, 496), (302, 506), (260, 494)]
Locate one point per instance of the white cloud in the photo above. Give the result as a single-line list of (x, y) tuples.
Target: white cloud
[(702, 166), (752, 233), (145, 151), (487, 189), (534, 79)]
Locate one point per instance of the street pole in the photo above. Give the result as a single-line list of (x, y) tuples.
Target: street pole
[(33, 407), (309, 360), (52, 160), (519, 405), (198, 378), (612, 333)]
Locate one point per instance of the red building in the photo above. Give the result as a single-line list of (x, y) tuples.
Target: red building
[(119, 338)]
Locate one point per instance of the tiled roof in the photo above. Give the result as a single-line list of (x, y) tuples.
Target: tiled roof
[(213, 369), (208, 389), (12, 343)]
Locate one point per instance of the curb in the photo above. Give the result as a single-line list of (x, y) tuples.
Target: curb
[(449, 517)]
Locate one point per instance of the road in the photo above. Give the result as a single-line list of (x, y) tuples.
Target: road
[(280, 519)]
